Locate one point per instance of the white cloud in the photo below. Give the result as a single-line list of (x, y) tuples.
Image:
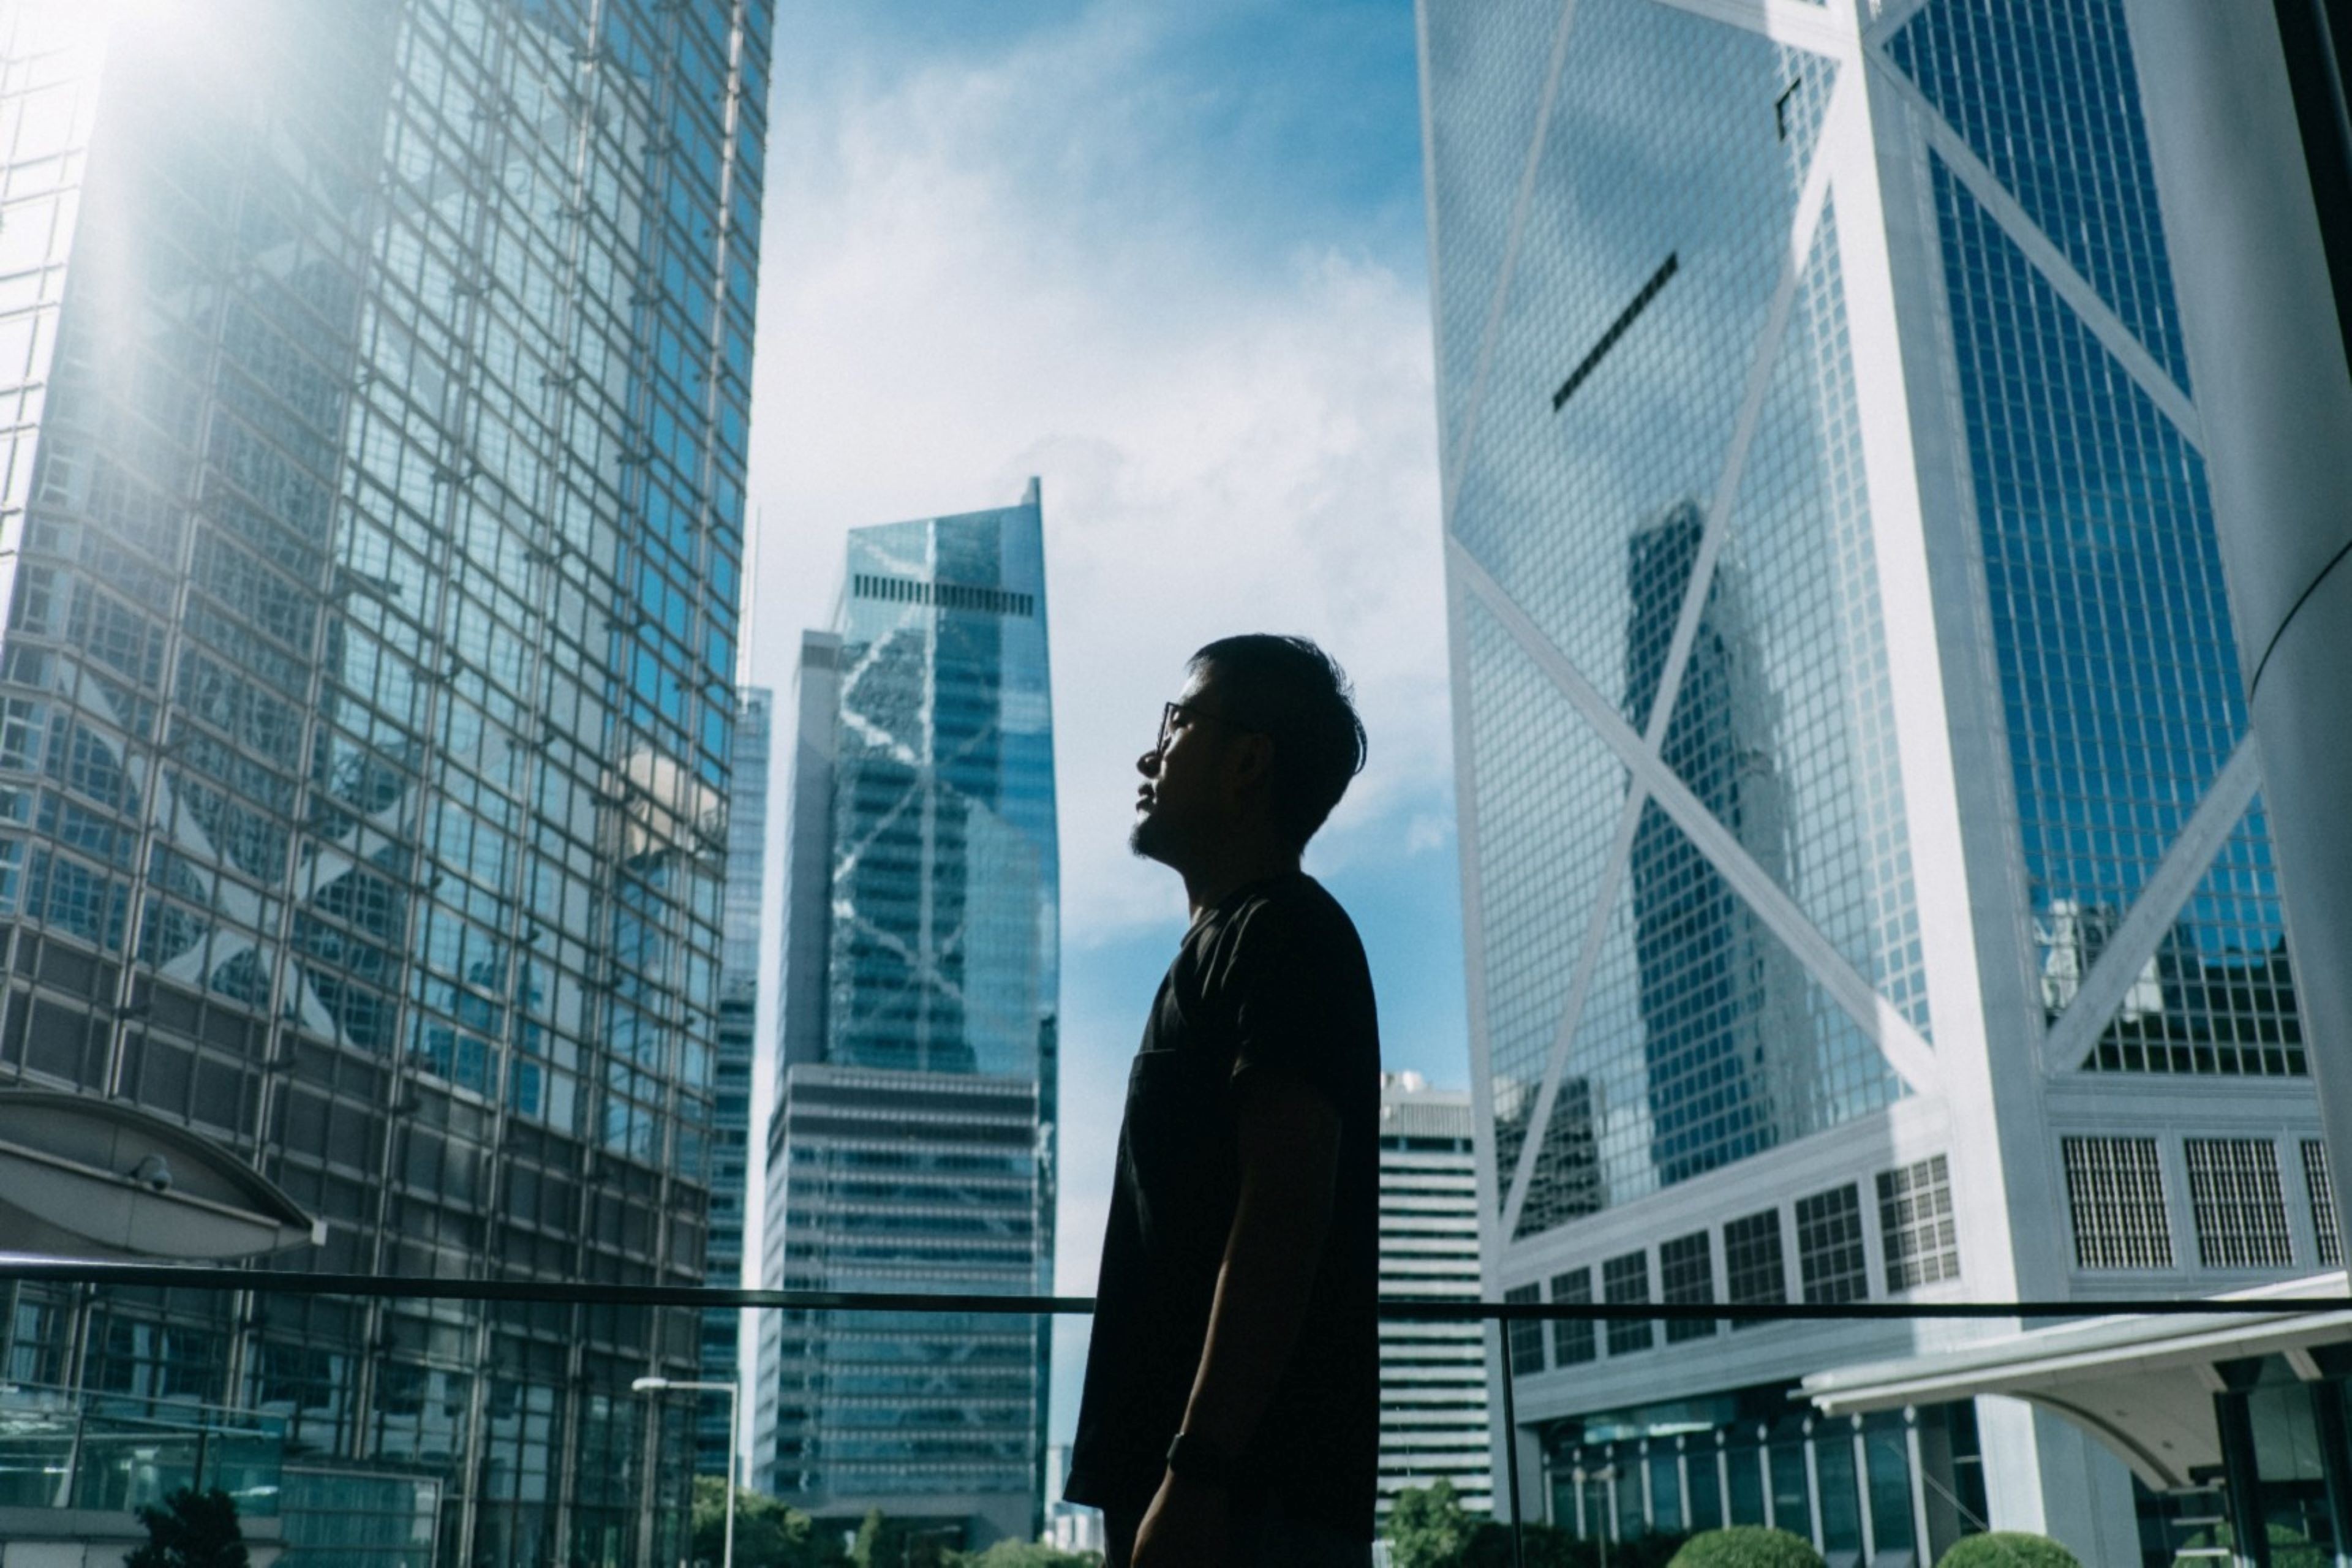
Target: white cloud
[(974, 275)]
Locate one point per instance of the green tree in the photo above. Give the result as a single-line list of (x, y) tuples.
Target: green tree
[(1549, 1546), (1747, 1546), (1023, 1555), (2008, 1549), (768, 1533), (886, 1542), (2289, 1548), (190, 1528), (1429, 1528)]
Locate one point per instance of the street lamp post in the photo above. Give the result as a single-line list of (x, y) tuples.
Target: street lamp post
[(729, 1388)]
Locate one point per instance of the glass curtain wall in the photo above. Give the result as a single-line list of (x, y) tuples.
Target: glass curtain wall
[(916, 1152), (378, 379)]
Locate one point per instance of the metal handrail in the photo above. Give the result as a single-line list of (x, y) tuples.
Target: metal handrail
[(1426, 1308)]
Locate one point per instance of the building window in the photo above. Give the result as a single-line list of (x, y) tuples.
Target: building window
[(1829, 1247), (1686, 1279), (1626, 1280), (1527, 1334), (2233, 1191), (2114, 1192), (1754, 1274), (2322, 1190), (1915, 1221), (943, 596), (1571, 1338)]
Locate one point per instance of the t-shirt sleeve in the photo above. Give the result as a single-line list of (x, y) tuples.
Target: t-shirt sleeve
[(1291, 991)]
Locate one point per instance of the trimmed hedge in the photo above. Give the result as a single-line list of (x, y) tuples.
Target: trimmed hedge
[(2289, 1548), (1747, 1546), (2008, 1549)]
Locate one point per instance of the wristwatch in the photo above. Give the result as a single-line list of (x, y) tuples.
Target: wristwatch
[(1195, 1459)]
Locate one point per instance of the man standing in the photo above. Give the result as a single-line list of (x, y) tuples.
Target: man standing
[(1231, 1412)]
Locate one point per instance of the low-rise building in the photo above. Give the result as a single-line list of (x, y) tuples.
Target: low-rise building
[(1433, 1375)]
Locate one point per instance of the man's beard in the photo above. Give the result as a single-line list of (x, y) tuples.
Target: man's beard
[(1151, 839)]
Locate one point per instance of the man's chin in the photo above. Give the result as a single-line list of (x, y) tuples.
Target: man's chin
[(1149, 839)]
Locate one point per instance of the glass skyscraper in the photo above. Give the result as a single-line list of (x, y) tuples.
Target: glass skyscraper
[(376, 379), (912, 1146), (1867, 886), (739, 1013)]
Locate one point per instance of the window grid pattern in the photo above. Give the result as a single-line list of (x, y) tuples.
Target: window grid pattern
[(1525, 1334), (738, 1051), (905, 1177), (1493, 61), (1543, 779), (2235, 1200), (2112, 634), (1582, 514), (2218, 997), (2319, 1186), (945, 867), (2050, 100), (1686, 1277), (1755, 1271), (1626, 1281), (941, 893), (1573, 1340), (2115, 1196), (946, 596), (367, 677), (1700, 1017), (1916, 1224), (1784, 725), (1650, 425), (1830, 1263)]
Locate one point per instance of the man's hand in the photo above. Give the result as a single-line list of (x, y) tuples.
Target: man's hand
[(1183, 1528)]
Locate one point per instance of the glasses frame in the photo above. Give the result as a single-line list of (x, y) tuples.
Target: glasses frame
[(1169, 712)]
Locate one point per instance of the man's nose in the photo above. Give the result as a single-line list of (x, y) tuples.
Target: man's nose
[(1147, 764)]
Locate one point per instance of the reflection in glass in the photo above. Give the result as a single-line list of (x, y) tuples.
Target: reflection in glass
[(375, 382), (912, 1147)]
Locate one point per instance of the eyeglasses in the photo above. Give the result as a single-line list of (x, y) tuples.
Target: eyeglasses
[(1169, 712)]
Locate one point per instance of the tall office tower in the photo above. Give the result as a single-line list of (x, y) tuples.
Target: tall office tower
[(378, 377), (1866, 879), (739, 1012), (1434, 1421), (913, 1143)]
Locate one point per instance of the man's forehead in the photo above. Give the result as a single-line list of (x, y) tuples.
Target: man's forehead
[(1199, 682)]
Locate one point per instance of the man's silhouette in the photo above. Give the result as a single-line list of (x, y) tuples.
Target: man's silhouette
[(1231, 1412)]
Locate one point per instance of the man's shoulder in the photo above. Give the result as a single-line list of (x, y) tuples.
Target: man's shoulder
[(1296, 907)]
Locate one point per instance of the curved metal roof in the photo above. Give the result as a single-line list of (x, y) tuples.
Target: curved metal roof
[(85, 1177)]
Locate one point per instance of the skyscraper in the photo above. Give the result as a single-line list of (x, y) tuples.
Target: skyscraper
[(913, 1143), (739, 1013), (1433, 1375), (378, 378), (1862, 851)]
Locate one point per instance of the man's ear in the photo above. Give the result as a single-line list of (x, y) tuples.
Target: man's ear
[(1253, 760)]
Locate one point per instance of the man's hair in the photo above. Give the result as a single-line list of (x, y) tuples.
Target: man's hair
[(1296, 694)]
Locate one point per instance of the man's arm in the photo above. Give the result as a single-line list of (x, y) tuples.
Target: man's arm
[(1288, 1138)]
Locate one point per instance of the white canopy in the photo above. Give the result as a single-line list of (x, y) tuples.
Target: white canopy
[(85, 1177), (2143, 1385)]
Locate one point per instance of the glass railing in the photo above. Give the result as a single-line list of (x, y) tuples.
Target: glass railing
[(68, 1448), (399, 1422)]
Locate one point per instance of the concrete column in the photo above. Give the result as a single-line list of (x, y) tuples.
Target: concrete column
[(2266, 353)]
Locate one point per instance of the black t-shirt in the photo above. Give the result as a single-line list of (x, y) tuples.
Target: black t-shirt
[(1272, 982)]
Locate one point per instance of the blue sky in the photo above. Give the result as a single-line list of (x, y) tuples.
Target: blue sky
[(1171, 260)]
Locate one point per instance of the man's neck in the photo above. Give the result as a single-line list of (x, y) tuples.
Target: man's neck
[(1240, 864)]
